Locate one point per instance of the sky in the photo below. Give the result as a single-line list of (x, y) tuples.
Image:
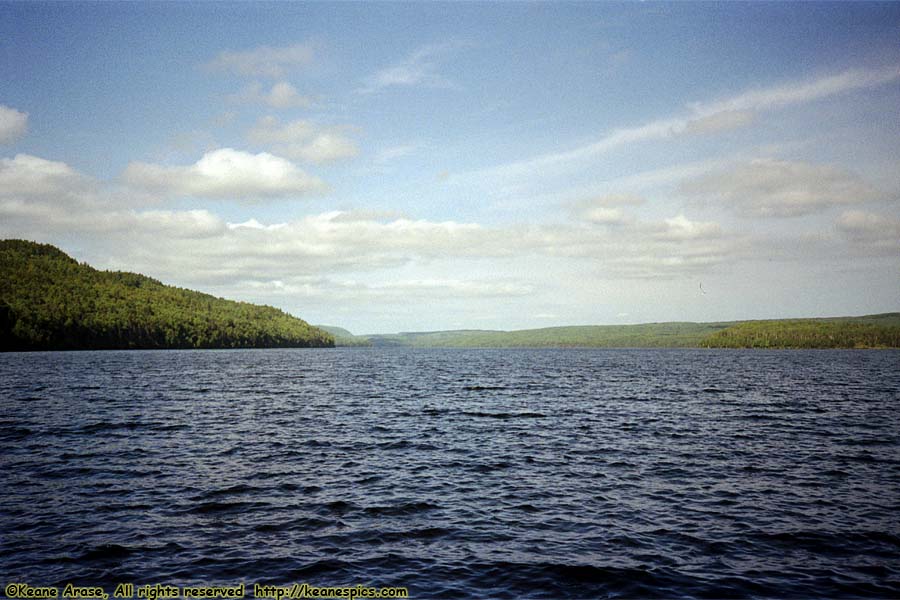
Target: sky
[(394, 167)]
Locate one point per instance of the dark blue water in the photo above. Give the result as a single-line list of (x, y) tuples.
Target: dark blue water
[(456, 473)]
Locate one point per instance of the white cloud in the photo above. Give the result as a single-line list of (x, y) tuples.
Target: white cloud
[(872, 230), (254, 224), (605, 216), (357, 293), (368, 215), (616, 200), (303, 140), (605, 209), (637, 249), (417, 69), (779, 188), (269, 130), (390, 153), (281, 95), (325, 147), (617, 138), (192, 224), (226, 173), (801, 92), (717, 122), (13, 124), (439, 288), (198, 248), (681, 228), (264, 61), (703, 118), (27, 175), (41, 198)]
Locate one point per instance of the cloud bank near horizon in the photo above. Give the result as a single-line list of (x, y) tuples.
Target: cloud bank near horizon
[(401, 185)]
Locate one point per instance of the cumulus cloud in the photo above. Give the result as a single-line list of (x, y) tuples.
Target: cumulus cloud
[(404, 290), (41, 198), (605, 209), (13, 124), (621, 246), (303, 140), (202, 252), (682, 228), (362, 294), (368, 215), (280, 95), (334, 242), (605, 216), (198, 248), (226, 173), (190, 224), (264, 61), (778, 188), (26, 175)]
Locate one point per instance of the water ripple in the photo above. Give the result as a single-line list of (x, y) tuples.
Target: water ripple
[(456, 473)]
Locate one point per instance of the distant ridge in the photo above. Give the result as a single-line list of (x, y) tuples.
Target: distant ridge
[(870, 331), (342, 337), (48, 301)]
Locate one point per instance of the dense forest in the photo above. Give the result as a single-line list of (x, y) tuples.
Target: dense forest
[(342, 337), (873, 331), (48, 301), (650, 335)]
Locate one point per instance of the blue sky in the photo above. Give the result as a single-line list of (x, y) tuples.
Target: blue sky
[(389, 167)]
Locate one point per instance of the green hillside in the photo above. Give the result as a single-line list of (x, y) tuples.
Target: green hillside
[(651, 335), (50, 301), (342, 337), (872, 331)]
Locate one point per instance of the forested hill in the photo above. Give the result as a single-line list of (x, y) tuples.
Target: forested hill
[(48, 301), (871, 331), (342, 337)]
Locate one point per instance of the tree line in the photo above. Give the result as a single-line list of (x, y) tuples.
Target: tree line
[(807, 333), (50, 301)]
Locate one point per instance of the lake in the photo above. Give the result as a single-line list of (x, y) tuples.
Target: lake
[(455, 473)]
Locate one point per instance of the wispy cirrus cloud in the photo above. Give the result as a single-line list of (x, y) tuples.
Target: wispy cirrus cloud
[(391, 153), (264, 61), (716, 122), (281, 95), (420, 68), (703, 117), (800, 92), (13, 124)]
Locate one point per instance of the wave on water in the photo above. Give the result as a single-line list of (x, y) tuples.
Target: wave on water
[(463, 474)]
